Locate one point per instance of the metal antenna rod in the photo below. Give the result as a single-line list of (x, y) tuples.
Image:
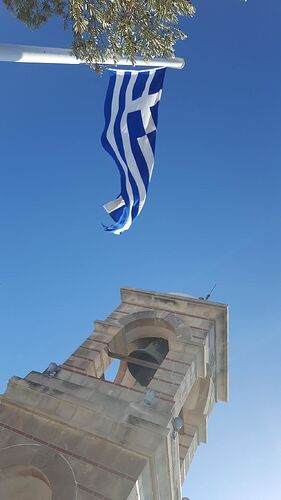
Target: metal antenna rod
[(50, 55), (209, 294)]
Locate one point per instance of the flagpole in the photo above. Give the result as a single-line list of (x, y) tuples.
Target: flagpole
[(50, 55)]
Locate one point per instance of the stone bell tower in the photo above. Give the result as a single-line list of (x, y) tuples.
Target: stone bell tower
[(68, 434)]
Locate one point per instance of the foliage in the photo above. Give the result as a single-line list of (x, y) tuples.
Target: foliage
[(111, 28)]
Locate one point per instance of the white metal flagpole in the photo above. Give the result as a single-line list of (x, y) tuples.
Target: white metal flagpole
[(49, 55)]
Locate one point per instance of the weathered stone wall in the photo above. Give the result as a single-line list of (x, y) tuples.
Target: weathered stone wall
[(93, 439)]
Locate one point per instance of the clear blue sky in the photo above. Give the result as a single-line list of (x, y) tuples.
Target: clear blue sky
[(212, 216)]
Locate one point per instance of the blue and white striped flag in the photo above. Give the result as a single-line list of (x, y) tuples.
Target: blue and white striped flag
[(131, 112)]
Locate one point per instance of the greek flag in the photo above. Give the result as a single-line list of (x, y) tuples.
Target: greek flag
[(131, 112)]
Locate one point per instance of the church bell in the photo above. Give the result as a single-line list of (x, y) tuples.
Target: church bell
[(154, 352)]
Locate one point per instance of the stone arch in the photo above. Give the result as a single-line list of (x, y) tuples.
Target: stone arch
[(36, 468), (142, 325), (202, 395), (195, 412), (198, 406), (22, 482)]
